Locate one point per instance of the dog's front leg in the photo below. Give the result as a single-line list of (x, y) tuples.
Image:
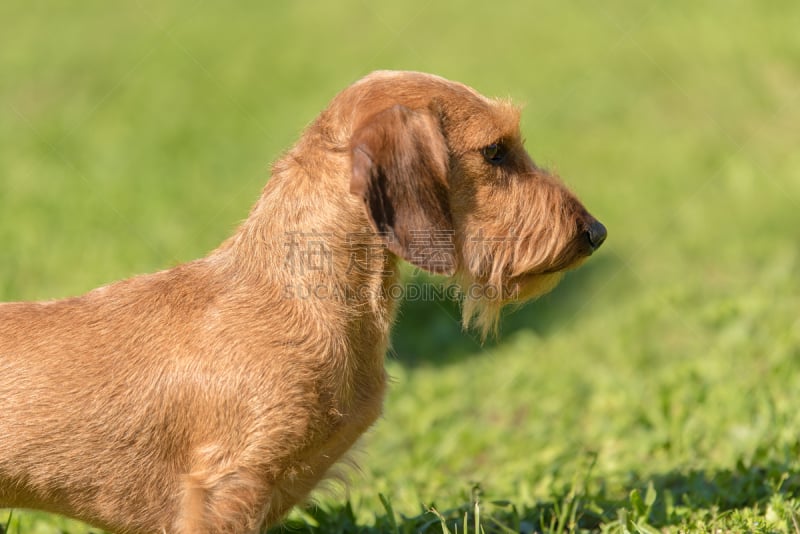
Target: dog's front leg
[(235, 501)]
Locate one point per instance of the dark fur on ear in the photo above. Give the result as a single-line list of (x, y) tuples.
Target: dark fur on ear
[(400, 165)]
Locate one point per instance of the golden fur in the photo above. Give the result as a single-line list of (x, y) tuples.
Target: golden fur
[(211, 397)]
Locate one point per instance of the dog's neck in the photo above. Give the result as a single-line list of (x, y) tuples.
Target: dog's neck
[(308, 240)]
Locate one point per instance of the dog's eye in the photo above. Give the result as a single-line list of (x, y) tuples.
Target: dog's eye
[(494, 153)]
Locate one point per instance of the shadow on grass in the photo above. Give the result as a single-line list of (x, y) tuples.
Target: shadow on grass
[(429, 331), (658, 502), (678, 492)]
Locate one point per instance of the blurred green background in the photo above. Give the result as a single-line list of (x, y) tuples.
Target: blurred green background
[(658, 388)]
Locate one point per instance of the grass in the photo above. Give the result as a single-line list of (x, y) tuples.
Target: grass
[(657, 389)]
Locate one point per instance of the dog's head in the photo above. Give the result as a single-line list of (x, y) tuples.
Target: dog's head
[(446, 180)]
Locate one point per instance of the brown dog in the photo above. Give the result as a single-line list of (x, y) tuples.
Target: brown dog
[(212, 397)]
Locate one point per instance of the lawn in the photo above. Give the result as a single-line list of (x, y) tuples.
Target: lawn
[(656, 389)]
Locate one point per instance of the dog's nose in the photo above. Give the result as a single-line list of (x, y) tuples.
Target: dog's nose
[(597, 234)]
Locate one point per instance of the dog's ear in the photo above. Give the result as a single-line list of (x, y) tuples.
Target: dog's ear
[(399, 169)]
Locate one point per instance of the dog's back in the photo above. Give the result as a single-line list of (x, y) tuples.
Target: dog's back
[(133, 404), (89, 384)]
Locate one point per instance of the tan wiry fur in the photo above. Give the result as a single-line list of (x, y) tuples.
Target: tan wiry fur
[(212, 397)]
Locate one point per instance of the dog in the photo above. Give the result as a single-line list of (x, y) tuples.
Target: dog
[(213, 396)]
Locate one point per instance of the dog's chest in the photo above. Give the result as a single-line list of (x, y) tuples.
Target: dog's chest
[(345, 424)]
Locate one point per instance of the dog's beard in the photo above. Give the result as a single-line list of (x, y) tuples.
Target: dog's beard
[(510, 271), (483, 303)]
